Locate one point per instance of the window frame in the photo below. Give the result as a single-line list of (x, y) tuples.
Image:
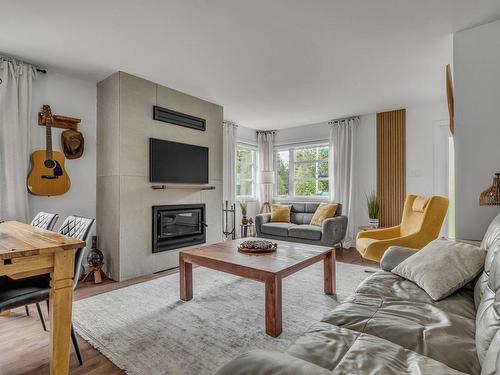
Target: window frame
[(253, 180), (291, 171)]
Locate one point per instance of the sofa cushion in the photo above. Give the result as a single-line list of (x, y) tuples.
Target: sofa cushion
[(265, 362), (482, 282), (306, 231), (276, 229), (420, 327), (309, 208), (344, 351), (491, 243), (492, 360), (463, 262), (389, 285), (488, 312), (301, 217)]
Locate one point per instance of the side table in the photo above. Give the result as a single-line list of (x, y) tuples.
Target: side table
[(244, 232)]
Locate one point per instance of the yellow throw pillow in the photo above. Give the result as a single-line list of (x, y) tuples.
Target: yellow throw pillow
[(324, 211), (280, 213)]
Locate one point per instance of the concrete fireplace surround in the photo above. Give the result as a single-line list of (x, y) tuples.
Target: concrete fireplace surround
[(124, 194)]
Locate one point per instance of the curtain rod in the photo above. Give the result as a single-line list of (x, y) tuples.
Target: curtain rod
[(229, 123), (266, 131), (43, 71), (343, 119)]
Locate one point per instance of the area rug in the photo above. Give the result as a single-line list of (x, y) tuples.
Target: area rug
[(146, 329)]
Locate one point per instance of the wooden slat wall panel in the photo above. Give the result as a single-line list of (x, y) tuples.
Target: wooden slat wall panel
[(391, 165)]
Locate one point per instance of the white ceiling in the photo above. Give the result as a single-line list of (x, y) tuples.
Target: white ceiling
[(271, 63)]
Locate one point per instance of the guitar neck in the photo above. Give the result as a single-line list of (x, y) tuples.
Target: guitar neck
[(48, 140)]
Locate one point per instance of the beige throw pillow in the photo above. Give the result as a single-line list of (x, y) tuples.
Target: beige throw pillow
[(323, 212), (442, 267)]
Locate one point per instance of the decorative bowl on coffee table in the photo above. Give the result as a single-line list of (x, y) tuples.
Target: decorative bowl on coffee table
[(257, 246)]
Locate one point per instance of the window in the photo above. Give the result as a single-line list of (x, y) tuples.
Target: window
[(302, 171), (245, 172)]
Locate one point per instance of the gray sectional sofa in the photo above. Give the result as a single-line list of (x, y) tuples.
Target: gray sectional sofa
[(391, 326), (331, 233)]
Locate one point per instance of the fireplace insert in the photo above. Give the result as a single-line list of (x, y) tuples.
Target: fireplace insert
[(176, 226)]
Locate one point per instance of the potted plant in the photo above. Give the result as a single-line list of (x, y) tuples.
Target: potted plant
[(373, 203), (243, 206)]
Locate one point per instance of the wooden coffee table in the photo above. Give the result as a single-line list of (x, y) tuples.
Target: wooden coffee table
[(268, 268)]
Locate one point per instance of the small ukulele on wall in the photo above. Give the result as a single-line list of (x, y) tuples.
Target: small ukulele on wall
[(47, 175)]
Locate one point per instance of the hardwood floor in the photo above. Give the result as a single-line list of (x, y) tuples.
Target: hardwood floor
[(24, 344)]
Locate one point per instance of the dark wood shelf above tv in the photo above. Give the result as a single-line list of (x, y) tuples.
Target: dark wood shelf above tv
[(182, 186)]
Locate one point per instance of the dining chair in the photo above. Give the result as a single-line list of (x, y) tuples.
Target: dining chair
[(17, 293), (45, 220), (42, 220)]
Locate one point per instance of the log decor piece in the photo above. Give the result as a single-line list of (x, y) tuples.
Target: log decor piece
[(391, 166), (61, 122), (178, 118), (449, 97)]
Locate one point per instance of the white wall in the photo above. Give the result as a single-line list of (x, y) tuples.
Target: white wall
[(246, 135), (422, 126), (76, 98), (303, 134), (477, 124), (366, 165)]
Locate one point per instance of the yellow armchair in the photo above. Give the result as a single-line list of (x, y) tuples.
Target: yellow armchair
[(421, 223)]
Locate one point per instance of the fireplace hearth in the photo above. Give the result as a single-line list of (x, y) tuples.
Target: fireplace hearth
[(176, 226)]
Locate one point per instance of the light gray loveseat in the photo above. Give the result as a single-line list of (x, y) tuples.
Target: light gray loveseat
[(391, 326), (330, 233)]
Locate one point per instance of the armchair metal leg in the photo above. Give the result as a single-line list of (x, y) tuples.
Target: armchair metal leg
[(27, 310), (41, 316), (75, 345)]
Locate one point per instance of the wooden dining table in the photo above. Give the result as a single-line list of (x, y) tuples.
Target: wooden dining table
[(27, 251)]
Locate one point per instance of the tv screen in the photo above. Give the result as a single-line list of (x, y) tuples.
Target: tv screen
[(177, 162)]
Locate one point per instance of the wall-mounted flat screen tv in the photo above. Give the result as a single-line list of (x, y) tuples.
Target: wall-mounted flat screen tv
[(174, 162)]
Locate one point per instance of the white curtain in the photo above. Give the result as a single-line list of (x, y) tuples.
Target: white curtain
[(342, 169), (15, 107), (265, 147), (229, 168)]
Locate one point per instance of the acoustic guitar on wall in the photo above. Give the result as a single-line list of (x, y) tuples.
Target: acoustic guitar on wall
[(47, 175)]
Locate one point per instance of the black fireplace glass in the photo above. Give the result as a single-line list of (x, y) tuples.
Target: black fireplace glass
[(176, 226), (180, 223)]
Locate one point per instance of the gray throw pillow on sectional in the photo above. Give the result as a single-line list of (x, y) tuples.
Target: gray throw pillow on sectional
[(442, 267)]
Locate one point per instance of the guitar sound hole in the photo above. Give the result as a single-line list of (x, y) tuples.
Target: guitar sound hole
[(49, 163)]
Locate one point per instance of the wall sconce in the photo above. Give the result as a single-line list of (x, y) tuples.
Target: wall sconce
[(491, 196)]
